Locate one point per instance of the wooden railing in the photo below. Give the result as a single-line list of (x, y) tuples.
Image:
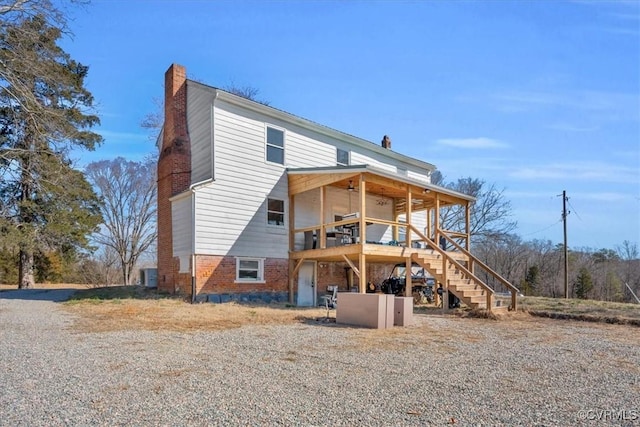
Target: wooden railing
[(474, 260), (447, 258), (467, 271)]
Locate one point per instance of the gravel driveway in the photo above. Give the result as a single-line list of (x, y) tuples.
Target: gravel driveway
[(441, 371)]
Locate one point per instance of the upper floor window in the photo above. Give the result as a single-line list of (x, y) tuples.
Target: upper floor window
[(275, 212), (275, 145), (342, 157)]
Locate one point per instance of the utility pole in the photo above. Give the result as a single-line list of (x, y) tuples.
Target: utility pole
[(566, 259)]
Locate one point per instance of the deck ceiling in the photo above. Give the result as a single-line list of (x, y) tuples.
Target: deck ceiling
[(423, 195)]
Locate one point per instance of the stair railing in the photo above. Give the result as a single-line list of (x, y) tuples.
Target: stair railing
[(473, 259), (466, 272)]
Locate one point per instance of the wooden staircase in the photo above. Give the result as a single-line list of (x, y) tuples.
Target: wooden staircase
[(456, 274), (469, 292)]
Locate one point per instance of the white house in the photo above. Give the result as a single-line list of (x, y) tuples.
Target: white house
[(257, 203)]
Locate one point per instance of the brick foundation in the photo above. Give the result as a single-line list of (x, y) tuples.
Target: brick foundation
[(215, 279), (217, 275)]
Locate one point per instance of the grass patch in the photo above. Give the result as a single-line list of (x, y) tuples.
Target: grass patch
[(585, 310), (134, 307)]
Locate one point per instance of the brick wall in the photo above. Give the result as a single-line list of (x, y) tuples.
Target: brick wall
[(174, 173), (217, 274)]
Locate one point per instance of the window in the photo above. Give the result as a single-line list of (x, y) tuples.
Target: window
[(342, 157), (275, 212), (275, 145), (249, 270)]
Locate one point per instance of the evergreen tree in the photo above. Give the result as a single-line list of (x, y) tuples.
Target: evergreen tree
[(583, 284), (45, 110), (531, 280)]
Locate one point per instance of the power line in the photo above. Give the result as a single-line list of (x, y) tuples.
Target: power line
[(544, 229), (574, 209)]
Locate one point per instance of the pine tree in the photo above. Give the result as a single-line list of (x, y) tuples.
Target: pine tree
[(583, 284), (45, 204), (531, 279)]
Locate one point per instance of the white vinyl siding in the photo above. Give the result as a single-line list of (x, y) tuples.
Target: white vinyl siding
[(231, 218), (199, 105), (232, 211), (419, 176), (182, 228)]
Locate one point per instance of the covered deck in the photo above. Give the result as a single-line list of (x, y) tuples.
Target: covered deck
[(362, 214)]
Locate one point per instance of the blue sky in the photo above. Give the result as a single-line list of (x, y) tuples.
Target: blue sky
[(535, 97)]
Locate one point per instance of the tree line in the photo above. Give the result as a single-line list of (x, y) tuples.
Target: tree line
[(536, 267)]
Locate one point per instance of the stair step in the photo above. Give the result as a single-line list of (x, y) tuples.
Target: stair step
[(462, 283), (473, 293), (476, 299)]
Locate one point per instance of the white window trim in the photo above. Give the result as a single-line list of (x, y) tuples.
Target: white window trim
[(260, 270), (267, 145)]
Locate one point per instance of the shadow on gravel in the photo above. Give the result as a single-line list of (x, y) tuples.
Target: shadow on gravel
[(54, 295)]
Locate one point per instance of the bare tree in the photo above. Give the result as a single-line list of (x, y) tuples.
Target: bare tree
[(630, 267), (245, 91), (506, 255), (490, 213), (153, 121), (128, 193)]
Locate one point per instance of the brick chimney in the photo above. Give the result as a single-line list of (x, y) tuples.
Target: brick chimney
[(386, 142), (174, 170)]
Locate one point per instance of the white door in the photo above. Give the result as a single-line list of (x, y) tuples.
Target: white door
[(307, 284)]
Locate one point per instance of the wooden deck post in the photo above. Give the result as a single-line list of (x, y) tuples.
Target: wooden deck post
[(407, 276), (436, 221), (292, 241), (322, 239), (363, 235), (291, 281), (408, 218), (362, 267), (362, 226)]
